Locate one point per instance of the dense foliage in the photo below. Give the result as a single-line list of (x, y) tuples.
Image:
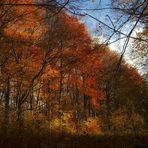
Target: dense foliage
[(54, 80)]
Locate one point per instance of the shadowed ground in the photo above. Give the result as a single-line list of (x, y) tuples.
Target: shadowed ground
[(29, 139)]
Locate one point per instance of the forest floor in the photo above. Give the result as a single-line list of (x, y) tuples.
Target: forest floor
[(32, 140)]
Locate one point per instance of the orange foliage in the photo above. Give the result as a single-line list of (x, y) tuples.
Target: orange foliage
[(27, 22)]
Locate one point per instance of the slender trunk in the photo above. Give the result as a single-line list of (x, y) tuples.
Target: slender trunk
[(85, 98), (108, 113), (89, 107), (85, 106), (7, 99), (50, 117), (61, 81), (31, 100), (76, 108), (19, 115)]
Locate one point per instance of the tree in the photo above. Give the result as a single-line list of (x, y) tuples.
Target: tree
[(139, 52), (126, 89)]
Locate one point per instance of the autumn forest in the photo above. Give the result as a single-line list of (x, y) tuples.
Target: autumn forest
[(60, 87)]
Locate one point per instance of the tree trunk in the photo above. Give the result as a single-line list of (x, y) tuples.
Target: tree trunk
[(7, 99), (61, 81), (20, 115)]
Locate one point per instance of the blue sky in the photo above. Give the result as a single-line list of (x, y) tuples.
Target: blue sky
[(100, 14), (109, 17)]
